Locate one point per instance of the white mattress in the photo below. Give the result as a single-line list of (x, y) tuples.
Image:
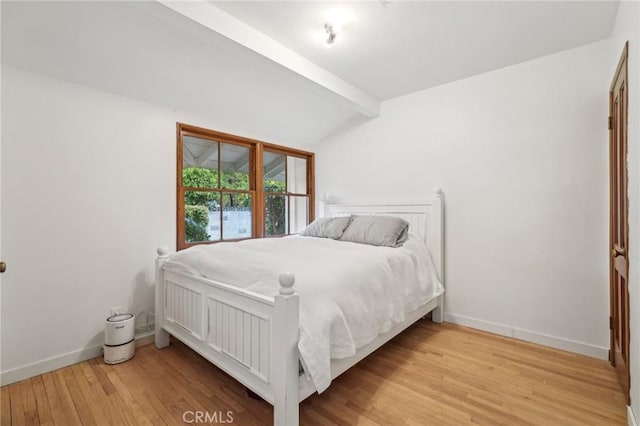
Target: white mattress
[(349, 293)]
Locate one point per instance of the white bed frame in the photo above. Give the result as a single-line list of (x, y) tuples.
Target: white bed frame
[(254, 338)]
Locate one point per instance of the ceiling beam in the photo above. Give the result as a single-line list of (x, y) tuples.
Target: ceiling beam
[(274, 168), (209, 16), (241, 164), (188, 156), (206, 154)]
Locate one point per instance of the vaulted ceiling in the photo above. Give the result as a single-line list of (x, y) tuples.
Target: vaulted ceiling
[(263, 66), (393, 48)]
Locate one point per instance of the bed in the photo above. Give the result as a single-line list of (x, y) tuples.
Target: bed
[(257, 335)]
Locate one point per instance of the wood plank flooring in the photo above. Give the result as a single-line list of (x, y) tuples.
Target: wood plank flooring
[(429, 375)]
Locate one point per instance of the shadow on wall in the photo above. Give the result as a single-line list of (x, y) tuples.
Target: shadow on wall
[(141, 302), (96, 340)]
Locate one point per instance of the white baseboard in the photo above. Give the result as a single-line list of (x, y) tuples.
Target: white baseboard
[(530, 336), (145, 338), (631, 418), (60, 361)]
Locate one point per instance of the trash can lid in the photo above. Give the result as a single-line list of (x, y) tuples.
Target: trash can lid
[(119, 317)]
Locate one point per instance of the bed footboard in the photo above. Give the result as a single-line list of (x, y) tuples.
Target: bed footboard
[(252, 337)]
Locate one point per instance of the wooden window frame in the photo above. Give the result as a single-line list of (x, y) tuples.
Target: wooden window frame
[(286, 192), (256, 177)]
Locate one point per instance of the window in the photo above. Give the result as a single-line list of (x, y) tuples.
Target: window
[(286, 199), (232, 188)]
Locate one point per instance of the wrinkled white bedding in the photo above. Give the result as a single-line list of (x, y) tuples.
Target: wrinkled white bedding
[(349, 293)]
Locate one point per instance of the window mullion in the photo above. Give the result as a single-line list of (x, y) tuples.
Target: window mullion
[(259, 216), (288, 213)]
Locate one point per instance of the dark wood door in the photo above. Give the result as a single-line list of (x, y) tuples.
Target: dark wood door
[(619, 232)]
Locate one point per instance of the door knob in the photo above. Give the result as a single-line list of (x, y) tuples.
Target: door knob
[(3, 267), (617, 252)]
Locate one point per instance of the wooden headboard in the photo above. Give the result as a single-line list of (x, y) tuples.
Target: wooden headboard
[(425, 219)]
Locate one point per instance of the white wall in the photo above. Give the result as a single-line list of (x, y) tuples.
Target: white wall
[(88, 193), (521, 154), (627, 28)]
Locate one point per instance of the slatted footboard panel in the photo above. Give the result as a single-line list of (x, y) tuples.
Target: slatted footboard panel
[(184, 308), (229, 326), (240, 335)]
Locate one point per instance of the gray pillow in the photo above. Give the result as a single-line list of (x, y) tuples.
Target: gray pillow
[(377, 231), (328, 227)]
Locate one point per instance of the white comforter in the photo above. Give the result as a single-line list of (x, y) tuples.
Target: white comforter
[(349, 293)]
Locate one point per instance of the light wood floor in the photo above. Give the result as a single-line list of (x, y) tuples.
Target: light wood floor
[(430, 374)]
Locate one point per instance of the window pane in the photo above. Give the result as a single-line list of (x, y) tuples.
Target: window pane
[(236, 216), (296, 175), (201, 216), (299, 215), (275, 215), (235, 166), (199, 162), (274, 172)]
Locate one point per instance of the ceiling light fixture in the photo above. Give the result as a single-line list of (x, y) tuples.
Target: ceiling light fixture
[(332, 32)]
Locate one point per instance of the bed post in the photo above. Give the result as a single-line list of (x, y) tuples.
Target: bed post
[(284, 355), (162, 337), (437, 248)]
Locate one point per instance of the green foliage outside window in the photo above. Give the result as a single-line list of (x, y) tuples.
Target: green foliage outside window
[(196, 219), (273, 185), (275, 212), (198, 177), (199, 203)]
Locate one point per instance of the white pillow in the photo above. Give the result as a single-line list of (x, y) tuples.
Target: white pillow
[(386, 231), (329, 227)]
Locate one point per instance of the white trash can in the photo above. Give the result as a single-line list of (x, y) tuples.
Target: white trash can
[(119, 338)]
